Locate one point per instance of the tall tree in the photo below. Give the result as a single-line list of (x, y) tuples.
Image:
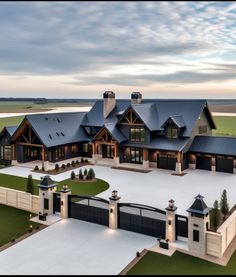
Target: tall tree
[(81, 176), (30, 184), (215, 216), (224, 206)]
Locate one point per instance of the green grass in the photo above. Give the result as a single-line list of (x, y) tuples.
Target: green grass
[(86, 188), (14, 223), (180, 264), (10, 121), (226, 125)]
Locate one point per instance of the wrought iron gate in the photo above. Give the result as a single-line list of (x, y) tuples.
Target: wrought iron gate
[(142, 219), (89, 208)]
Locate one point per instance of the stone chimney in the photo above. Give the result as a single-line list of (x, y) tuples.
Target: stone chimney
[(136, 98), (109, 102)]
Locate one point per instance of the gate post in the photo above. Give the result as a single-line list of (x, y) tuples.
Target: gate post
[(65, 191), (46, 189), (170, 221), (113, 210)]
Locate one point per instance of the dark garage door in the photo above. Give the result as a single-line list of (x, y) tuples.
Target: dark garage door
[(203, 162), (166, 161), (224, 164)]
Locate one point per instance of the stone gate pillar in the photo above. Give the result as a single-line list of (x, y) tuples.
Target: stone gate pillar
[(113, 210), (65, 191), (46, 189), (170, 221)]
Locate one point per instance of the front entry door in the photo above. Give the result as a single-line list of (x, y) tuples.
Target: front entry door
[(108, 151), (136, 155)]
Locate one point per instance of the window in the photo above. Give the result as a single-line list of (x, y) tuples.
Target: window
[(85, 147), (202, 129), (45, 203), (91, 130), (137, 134), (195, 235), (6, 153), (73, 148), (172, 132)]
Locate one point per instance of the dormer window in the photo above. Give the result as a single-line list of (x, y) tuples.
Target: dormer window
[(172, 131)]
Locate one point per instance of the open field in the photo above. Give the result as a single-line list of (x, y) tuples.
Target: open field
[(226, 125), (180, 264), (86, 188), (15, 223), (10, 121), (26, 107)]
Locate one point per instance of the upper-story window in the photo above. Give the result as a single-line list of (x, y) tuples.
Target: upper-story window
[(137, 134), (202, 129), (172, 132), (91, 130)]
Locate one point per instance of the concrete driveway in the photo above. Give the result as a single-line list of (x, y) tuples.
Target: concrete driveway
[(157, 187), (73, 247)]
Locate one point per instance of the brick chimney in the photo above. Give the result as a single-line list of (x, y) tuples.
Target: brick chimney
[(136, 98), (109, 102)]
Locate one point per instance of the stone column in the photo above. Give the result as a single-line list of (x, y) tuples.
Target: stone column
[(178, 169), (170, 221), (213, 164), (64, 201), (113, 210), (145, 159)]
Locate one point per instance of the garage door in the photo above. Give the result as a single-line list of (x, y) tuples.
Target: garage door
[(166, 161), (224, 164), (203, 162)]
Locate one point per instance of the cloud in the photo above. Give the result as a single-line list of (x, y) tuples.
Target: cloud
[(92, 39)]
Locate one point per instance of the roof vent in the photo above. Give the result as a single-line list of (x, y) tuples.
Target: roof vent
[(62, 134), (46, 118), (58, 120), (58, 134), (50, 136)]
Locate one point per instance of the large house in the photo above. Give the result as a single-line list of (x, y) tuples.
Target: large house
[(168, 134)]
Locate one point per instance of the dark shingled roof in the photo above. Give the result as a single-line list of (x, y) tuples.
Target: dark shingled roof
[(152, 112), (11, 129), (214, 145), (58, 128), (161, 144), (47, 182), (115, 132), (199, 206), (177, 120)]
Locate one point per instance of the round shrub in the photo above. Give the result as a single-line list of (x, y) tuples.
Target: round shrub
[(63, 166), (56, 167), (82, 160), (13, 239), (72, 175), (77, 161), (36, 168), (73, 163), (137, 254), (86, 160), (68, 164)]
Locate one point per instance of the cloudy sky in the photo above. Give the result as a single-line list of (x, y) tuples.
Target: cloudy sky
[(81, 49)]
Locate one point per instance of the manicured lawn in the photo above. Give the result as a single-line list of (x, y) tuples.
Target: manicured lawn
[(14, 223), (10, 121), (180, 264), (226, 125), (86, 188)]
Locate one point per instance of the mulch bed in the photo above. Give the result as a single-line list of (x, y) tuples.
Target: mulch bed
[(62, 170), (176, 174), (132, 169)]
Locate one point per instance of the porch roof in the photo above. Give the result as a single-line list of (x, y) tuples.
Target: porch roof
[(161, 144)]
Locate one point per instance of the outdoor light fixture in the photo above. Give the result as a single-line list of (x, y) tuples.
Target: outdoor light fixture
[(171, 203), (169, 222), (111, 211), (65, 187), (114, 194)]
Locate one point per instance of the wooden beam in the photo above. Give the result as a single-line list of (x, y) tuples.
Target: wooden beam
[(29, 144), (145, 154)]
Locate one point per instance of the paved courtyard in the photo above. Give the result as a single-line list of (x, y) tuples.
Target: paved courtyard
[(157, 187), (73, 247)]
